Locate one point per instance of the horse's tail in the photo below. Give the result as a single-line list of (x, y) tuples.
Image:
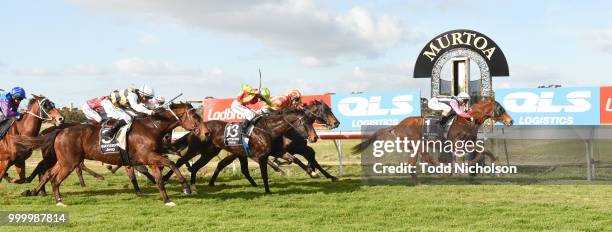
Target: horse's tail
[(44, 142), (378, 135)]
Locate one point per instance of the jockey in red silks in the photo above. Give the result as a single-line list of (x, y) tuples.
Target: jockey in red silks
[(292, 100), (456, 106)]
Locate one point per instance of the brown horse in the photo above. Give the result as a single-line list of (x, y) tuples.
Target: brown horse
[(39, 109), (75, 143), (266, 130), (461, 129), (291, 142)]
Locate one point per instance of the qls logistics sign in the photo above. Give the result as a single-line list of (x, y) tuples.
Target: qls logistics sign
[(558, 106), (389, 108)]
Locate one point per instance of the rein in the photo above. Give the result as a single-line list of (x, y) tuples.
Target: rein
[(46, 117)]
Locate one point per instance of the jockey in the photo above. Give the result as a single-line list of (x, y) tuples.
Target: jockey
[(249, 96), (9, 103), (94, 110), (450, 108), (125, 103), (292, 100)]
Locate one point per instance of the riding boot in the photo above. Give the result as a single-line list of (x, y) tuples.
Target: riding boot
[(245, 126), (115, 128), (446, 118)]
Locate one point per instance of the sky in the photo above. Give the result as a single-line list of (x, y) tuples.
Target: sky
[(72, 51)]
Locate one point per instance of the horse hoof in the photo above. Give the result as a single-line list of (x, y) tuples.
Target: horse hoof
[(59, 204), (100, 178), (187, 191), (334, 179), (139, 194), (44, 194), (170, 204), (26, 193), (314, 175), (211, 184)]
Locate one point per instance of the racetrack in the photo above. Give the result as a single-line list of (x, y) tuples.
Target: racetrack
[(298, 202)]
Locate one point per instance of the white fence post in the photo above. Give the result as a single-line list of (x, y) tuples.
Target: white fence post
[(338, 145)]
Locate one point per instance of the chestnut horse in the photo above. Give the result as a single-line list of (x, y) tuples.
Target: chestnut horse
[(291, 142), (39, 109), (461, 128), (75, 143)]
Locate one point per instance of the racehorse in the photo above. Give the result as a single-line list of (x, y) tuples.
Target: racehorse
[(39, 109), (461, 129), (75, 143), (291, 142), (266, 129)]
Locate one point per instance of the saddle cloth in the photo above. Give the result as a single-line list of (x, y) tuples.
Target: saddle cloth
[(232, 135), (115, 143)]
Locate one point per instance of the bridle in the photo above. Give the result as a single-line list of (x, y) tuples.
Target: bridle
[(46, 116), (189, 118), (299, 120), (318, 116)]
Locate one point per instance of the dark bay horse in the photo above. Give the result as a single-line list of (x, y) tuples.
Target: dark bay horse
[(266, 130), (291, 142), (39, 109), (461, 128), (75, 143)]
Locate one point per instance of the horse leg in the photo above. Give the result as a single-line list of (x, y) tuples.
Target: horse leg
[(91, 172), (182, 160), (263, 161), (79, 173), (20, 169), (244, 168), (143, 170), (220, 166), (4, 165), (57, 179), (130, 173), (156, 171), (309, 154), (114, 169), (306, 168), (412, 160), (42, 181)]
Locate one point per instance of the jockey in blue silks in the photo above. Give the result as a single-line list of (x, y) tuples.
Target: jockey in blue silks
[(9, 103)]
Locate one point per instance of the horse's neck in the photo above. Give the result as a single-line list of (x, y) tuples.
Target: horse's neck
[(158, 127), (275, 124), (29, 125)]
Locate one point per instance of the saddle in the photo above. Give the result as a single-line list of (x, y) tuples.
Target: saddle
[(432, 130), (116, 143)]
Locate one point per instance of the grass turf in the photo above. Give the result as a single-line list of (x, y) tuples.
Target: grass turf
[(299, 203)]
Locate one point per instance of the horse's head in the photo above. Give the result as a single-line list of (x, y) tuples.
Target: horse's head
[(43, 108), (301, 123), (488, 108), (188, 119), (322, 113)]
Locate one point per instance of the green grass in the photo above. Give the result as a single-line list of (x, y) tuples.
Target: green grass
[(298, 203)]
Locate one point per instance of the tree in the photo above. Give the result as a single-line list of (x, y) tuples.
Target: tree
[(72, 115)]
